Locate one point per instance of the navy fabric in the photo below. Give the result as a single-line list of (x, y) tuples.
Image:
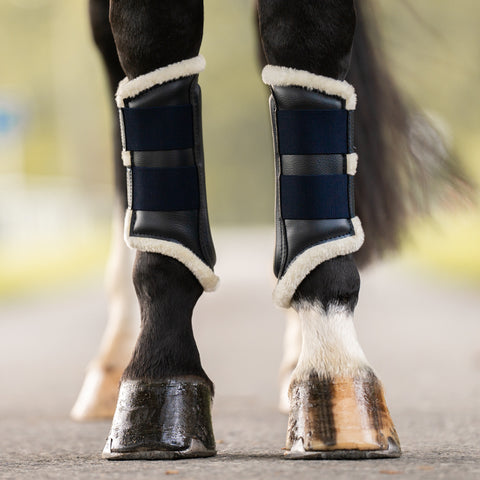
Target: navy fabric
[(351, 194), (311, 197), (311, 132), (165, 189), (158, 128)]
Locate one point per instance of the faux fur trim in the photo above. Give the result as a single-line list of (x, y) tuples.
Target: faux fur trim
[(131, 88), (127, 158), (283, 76), (304, 263), (352, 162), (202, 272)]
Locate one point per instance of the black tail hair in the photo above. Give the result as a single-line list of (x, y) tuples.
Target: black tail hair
[(404, 166)]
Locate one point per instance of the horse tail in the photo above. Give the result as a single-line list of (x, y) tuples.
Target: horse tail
[(404, 165)]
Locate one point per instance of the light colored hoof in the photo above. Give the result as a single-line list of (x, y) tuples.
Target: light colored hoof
[(283, 401), (299, 453), (98, 397), (340, 418), (162, 420)]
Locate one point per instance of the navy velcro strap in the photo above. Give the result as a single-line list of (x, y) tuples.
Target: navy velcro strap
[(311, 197), (311, 132), (165, 189), (158, 128)]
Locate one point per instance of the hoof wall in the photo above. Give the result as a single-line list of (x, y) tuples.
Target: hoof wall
[(340, 418), (196, 450), (162, 420), (393, 451)]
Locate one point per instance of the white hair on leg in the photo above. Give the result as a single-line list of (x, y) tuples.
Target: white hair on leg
[(330, 346), (337, 405), (98, 395)]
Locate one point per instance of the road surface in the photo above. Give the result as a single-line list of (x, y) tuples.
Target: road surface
[(421, 334)]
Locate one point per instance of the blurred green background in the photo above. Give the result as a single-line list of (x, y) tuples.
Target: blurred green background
[(56, 156)]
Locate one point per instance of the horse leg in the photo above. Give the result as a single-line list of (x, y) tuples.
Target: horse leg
[(163, 410), (337, 406), (98, 396), (292, 347)]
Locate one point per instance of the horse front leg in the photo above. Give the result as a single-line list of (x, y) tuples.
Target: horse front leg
[(98, 395), (337, 406), (164, 403)]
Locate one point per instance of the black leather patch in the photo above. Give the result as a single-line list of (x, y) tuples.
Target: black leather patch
[(176, 92), (164, 159), (298, 98), (313, 164), (303, 234), (180, 227)]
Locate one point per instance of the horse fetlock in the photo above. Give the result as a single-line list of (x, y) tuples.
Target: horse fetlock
[(167, 294), (162, 279), (165, 419), (334, 284), (340, 417)]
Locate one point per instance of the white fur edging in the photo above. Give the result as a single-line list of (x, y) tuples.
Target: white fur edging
[(304, 263), (283, 76), (204, 274), (352, 162), (131, 88)]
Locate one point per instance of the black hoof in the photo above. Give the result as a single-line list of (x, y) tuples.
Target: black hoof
[(166, 420)]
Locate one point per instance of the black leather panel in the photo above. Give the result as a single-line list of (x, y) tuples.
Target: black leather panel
[(164, 158), (176, 92), (351, 130), (294, 236), (280, 255), (190, 228), (205, 236), (180, 226), (351, 195), (298, 98), (333, 164), (303, 234)]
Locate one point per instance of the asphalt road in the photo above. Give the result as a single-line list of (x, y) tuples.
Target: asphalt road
[(421, 334)]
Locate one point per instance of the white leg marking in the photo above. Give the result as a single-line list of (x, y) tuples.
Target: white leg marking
[(330, 346), (100, 386), (124, 316), (292, 346)]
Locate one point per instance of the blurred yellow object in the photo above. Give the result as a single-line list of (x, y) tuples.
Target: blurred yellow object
[(27, 269)]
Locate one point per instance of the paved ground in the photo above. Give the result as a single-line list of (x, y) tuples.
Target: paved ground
[(423, 337)]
